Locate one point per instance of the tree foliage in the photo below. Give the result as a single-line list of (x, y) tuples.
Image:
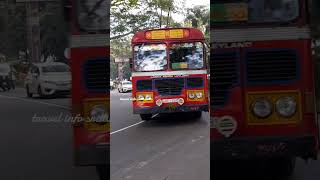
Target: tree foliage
[(129, 16), (199, 17), (13, 30)]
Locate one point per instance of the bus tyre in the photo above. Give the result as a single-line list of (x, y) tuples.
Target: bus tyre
[(146, 117), (103, 172), (28, 92)]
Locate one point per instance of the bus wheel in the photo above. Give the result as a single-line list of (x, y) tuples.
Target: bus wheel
[(145, 117), (103, 172)]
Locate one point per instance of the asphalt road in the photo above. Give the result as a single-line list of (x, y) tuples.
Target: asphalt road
[(37, 150), (166, 148)]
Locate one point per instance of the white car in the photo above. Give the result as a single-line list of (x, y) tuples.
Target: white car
[(125, 86), (47, 79)]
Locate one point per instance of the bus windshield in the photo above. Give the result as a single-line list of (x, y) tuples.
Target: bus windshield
[(186, 56), (254, 11), (150, 57)]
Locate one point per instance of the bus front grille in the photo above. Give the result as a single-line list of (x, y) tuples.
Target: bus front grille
[(224, 74), (144, 85), (268, 66), (97, 75), (169, 87), (195, 82)]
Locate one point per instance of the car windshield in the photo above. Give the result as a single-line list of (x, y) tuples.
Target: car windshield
[(150, 57), (55, 69), (126, 83), (254, 11), (186, 56)]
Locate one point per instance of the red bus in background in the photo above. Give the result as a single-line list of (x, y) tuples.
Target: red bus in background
[(169, 72), (89, 62), (262, 83)]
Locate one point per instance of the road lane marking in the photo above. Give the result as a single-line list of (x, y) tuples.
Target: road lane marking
[(133, 167), (114, 132), (34, 101)]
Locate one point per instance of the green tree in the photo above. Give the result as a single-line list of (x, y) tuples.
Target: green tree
[(199, 17), (13, 35), (129, 16)]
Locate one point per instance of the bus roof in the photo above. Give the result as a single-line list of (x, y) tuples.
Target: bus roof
[(188, 33)]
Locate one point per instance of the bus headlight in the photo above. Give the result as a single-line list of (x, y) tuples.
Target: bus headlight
[(191, 95), (286, 106), (262, 108), (140, 97), (148, 97), (199, 95), (98, 114)]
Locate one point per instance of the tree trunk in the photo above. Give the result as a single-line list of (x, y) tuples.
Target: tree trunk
[(168, 17)]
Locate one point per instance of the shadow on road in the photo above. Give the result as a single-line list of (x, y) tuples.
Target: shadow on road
[(174, 119), (53, 97), (248, 170)]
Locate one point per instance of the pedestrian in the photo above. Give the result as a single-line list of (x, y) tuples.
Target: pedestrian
[(2, 83), (12, 78)]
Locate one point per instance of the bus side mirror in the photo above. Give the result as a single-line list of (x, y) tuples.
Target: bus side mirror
[(131, 62)]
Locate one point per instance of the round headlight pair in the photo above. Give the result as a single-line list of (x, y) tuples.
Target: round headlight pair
[(285, 106), (99, 114), (147, 97), (195, 95)]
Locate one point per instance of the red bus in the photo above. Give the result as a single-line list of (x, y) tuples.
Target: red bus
[(169, 72), (262, 82), (89, 62)]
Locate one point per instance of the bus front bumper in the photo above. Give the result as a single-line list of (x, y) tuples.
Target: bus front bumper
[(169, 109), (263, 147), (92, 155)]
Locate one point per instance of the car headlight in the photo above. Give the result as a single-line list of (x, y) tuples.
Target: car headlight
[(98, 114), (191, 95), (148, 97), (140, 98), (286, 106), (199, 95), (262, 108)]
